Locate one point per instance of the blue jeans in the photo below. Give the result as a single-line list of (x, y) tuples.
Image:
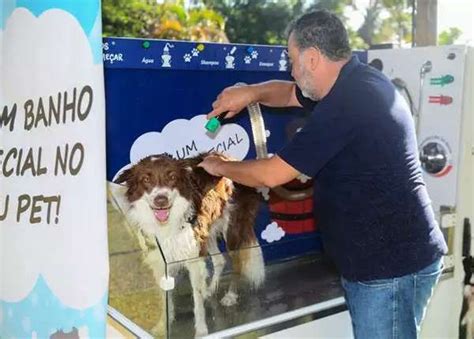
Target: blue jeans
[(391, 308)]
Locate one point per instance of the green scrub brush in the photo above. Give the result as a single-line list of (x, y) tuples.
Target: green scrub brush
[(214, 123)]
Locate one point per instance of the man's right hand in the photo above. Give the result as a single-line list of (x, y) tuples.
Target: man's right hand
[(232, 100)]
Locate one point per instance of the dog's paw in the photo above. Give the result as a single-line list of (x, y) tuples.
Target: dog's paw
[(229, 299)]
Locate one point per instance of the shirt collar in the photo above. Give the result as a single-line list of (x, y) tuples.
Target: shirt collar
[(348, 67), (344, 72)]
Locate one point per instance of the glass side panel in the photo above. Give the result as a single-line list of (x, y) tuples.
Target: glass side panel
[(136, 267), (288, 286), (209, 293)]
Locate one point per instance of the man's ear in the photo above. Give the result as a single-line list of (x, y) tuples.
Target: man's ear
[(314, 57)]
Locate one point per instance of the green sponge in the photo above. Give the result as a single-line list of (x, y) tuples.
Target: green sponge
[(213, 124)]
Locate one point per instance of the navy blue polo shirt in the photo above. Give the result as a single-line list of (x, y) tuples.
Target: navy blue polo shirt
[(359, 144)]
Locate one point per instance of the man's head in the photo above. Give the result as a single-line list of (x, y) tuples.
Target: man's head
[(316, 41)]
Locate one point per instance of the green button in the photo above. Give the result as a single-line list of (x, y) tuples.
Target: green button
[(146, 44), (213, 124)]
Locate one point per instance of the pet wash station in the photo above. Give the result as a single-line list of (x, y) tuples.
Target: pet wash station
[(157, 95)]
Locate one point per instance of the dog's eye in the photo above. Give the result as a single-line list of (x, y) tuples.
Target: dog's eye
[(146, 180), (172, 176)]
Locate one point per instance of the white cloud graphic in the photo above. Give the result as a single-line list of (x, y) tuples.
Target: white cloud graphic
[(41, 57), (184, 138), (272, 232)]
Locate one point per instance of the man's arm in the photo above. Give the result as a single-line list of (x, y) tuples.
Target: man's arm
[(274, 93), (254, 173)]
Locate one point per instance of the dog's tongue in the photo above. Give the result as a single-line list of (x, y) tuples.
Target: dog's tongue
[(162, 215)]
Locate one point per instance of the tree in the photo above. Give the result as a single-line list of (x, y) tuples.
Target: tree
[(335, 6), (168, 20), (250, 21), (371, 21), (449, 36), (265, 21), (257, 21), (386, 21), (132, 18), (397, 26)]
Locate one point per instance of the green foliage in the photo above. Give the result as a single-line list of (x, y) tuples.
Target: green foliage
[(252, 21), (449, 36), (257, 21), (357, 43), (132, 18), (168, 20), (387, 21), (335, 6)]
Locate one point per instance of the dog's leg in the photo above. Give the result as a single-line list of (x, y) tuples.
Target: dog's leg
[(231, 296), (218, 262), (197, 275), (154, 260)]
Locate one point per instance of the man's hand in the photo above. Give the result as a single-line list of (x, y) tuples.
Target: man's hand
[(211, 165), (233, 100)]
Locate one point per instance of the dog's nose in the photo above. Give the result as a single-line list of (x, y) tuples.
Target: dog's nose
[(161, 201)]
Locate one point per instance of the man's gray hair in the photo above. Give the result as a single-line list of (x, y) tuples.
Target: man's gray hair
[(324, 31)]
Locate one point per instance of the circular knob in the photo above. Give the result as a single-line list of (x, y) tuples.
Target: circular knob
[(433, 157)]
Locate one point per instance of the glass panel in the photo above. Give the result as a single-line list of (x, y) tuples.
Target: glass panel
[(288, 285), (136, 267)]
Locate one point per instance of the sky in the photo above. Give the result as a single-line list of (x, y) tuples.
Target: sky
[(457, 13)]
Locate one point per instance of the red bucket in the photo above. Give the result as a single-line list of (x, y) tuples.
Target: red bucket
[(293, 216)]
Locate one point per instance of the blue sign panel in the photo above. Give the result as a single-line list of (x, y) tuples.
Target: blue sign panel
[(158, 91)]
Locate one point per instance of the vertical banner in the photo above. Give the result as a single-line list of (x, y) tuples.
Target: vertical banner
[(53, 233)]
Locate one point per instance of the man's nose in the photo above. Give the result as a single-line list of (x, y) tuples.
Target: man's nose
[(161, 201)]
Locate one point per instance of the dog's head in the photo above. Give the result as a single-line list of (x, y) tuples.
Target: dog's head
[(161, 182)]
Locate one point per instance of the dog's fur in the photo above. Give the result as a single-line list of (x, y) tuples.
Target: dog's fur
[(187, 210)]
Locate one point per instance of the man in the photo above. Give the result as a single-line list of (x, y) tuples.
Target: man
[(360, 146)]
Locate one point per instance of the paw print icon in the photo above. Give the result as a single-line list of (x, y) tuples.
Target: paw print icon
[(187, 57), (254, 54), (247, 59), (195, 52)]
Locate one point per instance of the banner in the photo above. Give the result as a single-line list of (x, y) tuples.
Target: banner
[(53, 233)]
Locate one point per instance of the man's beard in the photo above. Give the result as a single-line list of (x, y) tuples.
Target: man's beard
[(307, 92)]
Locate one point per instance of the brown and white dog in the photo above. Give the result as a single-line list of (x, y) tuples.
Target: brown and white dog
[(187, 211)]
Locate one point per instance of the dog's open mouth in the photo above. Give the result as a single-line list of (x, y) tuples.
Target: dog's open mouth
[(162, 214)]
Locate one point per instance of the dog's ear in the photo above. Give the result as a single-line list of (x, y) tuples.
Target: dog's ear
[(192, 174), (125, 176)]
